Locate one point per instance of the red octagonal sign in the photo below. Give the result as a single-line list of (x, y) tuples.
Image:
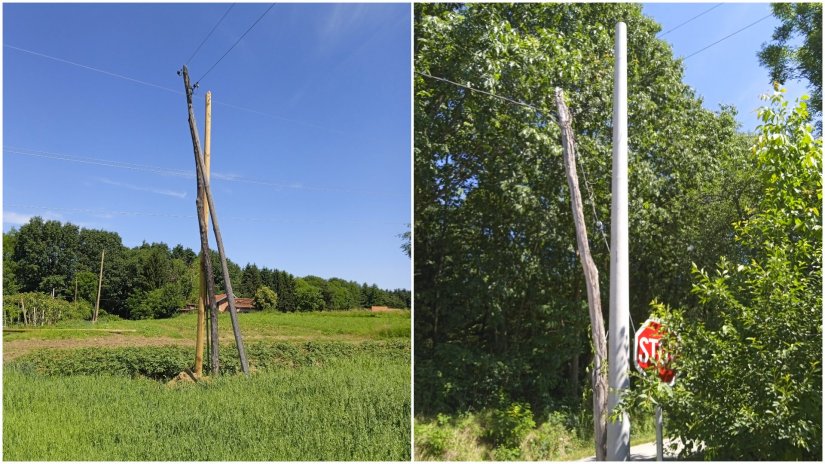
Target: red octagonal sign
[(648, 352)]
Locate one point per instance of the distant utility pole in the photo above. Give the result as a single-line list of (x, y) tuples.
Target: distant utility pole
[(618, 432), (99, 286), (204, 185)]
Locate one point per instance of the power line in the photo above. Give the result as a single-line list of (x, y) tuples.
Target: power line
[(236, 43), (599, 224), (178, 92), (108, 73), (500, 97), (210, 32), (180, 172), (106, 212), (691, 19), (728, 36)]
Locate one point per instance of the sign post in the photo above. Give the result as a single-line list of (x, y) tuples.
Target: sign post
[(648, 353)]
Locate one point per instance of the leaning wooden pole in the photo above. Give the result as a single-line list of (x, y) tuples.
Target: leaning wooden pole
[(203, 228), (201, 331), (216, 228), (591, 277)]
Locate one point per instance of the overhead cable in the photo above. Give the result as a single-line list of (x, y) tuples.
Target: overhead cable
[(178, 92), (728, 36), (599, 224), (236, 43), (500, 97), (210, 33), (108, 73), (691, 19)]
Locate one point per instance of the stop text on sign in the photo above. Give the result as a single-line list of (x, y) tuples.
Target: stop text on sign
[(649, 353)]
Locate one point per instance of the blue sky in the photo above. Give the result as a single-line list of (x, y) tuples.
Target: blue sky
[(729, 72), (311, 128)]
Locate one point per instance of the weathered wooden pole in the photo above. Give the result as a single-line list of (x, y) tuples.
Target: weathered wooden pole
[(591, 278), (216, 228), (618, 432), (202, 298), (203, 228), (99, 286)]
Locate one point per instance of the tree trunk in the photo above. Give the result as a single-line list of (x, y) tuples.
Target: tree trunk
[(591, 277)]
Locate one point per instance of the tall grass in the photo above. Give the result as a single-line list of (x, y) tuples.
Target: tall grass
[(563, 435), (355, 408)]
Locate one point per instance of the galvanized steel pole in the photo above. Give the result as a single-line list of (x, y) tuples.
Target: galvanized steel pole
[(618, 432)]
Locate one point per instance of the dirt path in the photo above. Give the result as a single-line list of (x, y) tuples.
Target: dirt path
[(15, 348)]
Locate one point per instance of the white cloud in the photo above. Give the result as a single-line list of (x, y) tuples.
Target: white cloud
[(18, 219)]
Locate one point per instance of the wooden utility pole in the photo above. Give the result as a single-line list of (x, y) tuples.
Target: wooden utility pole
[(201, 332), (204, 184), (591, 277), (99, 286)]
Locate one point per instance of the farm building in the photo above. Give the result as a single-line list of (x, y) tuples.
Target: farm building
[(243, 305)]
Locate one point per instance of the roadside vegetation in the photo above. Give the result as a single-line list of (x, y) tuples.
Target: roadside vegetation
[(512, 433), (724, 226)]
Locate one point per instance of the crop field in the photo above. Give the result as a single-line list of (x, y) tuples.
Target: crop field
[(324, 386)]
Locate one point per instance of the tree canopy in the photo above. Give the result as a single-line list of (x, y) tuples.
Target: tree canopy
[(499, 296), (787, 61)]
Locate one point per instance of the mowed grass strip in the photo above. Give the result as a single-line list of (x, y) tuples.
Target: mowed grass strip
[(355, 408), (358, 324)]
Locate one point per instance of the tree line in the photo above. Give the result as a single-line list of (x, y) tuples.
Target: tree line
[(153, 280)]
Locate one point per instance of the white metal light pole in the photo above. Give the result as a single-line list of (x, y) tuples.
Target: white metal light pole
[(618, 433)]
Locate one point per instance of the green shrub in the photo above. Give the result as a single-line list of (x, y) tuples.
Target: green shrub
[(503, 453), (40, 309), (433, 439), (510, 425), (308, 297), (749, 355), (265, 299), (159, 303)]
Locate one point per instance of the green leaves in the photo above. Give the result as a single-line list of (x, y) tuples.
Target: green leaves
[(495, 259), (750, 351)]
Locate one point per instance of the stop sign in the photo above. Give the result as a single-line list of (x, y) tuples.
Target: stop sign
[(648, 351)]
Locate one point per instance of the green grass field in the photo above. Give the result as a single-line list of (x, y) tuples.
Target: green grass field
[(353, 324), (325, 386)]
